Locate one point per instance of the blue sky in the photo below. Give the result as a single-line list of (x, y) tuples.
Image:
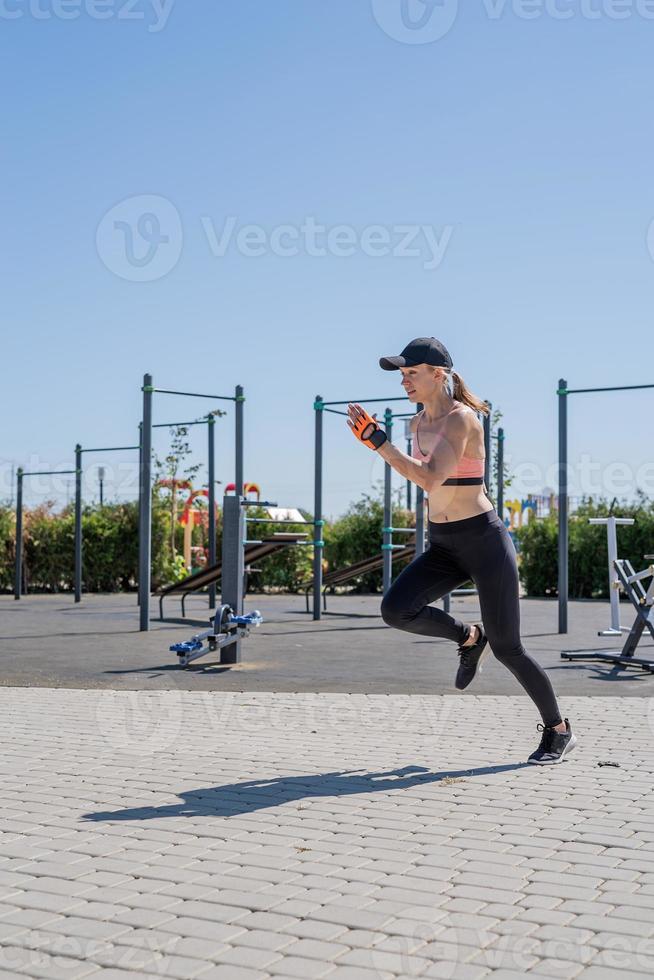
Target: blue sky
[(157, 163)]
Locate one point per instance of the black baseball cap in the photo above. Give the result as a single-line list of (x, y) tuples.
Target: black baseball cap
[(422, 350)]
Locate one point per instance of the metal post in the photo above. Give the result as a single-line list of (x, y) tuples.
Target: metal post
[(500, 473), (317, 508), (78, 523), (239, 400), (140, 505), (563, 505), (211, 429), (420, 512), (409, 449), (233, 565), (145, 531), (18, 579), (488, 421), (101, 479), (387, 543)]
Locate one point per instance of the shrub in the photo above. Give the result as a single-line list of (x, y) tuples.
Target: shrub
[(588, 553), (358, 535)]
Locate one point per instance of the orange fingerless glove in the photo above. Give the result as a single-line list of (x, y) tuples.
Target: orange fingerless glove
[(367, 430)]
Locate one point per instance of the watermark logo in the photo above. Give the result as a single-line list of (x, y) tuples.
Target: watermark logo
[(140, 239), (316, 240), (415, 21), (140, 723), (154, 13)]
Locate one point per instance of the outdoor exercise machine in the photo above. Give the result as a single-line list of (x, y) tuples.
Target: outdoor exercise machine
[(642, 599), (18, 562), (563, 393), (229, 625), (388, 546), (145, 482), (611, 524)]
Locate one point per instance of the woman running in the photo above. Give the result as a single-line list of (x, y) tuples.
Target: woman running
[(468, 539)]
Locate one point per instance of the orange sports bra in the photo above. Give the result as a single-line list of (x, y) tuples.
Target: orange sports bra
[(469, 472)]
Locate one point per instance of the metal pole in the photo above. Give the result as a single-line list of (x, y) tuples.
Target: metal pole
[(488, 445), (420, 511), (409, 449), (78, 523), (233, 564), (211, 430), (239, 400), (101, 479), (145, 543), (500, 473), (140, 505), (18, 579), (563, 505), (317, 508), (387, 543)]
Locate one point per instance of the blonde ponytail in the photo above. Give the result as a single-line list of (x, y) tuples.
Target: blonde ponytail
[(459, 391)]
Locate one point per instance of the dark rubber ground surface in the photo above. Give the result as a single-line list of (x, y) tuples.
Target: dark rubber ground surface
[(47, 641)]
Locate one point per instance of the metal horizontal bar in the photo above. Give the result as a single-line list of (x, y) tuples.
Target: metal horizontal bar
[(352, 401), (194, 394), (270, 520), (109, 449), (175, 425), (583, 391), (335, 411), (46, 472), (258, 503)]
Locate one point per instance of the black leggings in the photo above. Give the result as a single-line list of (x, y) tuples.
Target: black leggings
[(479, 548)]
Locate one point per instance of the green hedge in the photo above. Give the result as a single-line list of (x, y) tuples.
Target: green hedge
[(537, 543), (358, 535), (111, 548)]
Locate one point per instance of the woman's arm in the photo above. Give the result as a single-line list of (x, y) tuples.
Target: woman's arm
[(443, 461)]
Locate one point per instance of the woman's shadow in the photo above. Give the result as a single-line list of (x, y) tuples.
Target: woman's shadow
[(232, 799)]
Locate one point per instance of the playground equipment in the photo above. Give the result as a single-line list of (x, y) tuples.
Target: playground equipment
[(517, 509), (230, 624), (145, 483), (630, 582), (388, 546), (18, 564), (191, 516), (563, 393)]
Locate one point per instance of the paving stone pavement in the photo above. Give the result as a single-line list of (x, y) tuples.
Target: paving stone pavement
[(242, 836)]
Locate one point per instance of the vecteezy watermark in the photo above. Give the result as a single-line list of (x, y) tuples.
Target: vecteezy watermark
[(140, 239), (154, 13), (140, 722), (425, 21), (342, 241), (415, 21)]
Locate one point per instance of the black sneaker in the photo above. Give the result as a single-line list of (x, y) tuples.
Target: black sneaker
[(554, 746), (469, 660)]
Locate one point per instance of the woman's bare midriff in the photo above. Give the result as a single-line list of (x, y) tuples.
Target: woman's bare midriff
[(457, 504)]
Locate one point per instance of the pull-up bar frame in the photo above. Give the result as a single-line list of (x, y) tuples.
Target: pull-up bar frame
[(79, 451), (145, 482), (564, 519), (18, 559)]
